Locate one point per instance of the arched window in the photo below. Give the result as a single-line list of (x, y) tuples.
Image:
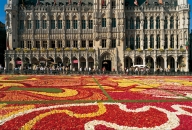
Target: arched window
[(131, 23), (158, 42), (137, 23), (158, 23), (166, 42), (137, 42), (145, 42), (165, 23), (151, 41), (127, 23), (177, 24), (132, 42), (172, 63), (151, 23), (138, 61), (171, 22), (172, 42), (145, 23)]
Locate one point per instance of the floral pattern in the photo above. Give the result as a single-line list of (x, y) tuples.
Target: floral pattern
[(96, 102)]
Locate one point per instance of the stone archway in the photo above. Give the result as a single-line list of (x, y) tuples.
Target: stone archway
[(10, 66), (138, 61), (82, 62), (128, 62), (66, 62), (75, 63), (59, 61), (91, 62), (160, 62), (106, 61), (171, 63), (149, 62), (181, 63), (34, 61), (18, 62), (26, 62), (42, 61)]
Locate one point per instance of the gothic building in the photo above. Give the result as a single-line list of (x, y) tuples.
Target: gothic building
[(98, 33)]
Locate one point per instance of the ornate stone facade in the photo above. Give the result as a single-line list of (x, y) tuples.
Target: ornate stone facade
[(115, 34)]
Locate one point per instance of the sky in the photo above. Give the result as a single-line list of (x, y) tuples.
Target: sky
[(3, 2)]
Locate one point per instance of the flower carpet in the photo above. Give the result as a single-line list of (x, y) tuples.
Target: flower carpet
[(95, 102)]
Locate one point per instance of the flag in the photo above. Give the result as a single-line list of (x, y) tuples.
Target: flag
[(79, 2), (136, 3), (54, 2), (102, 3), (160, 1), (187, 45), (37, 2), (69, 1)]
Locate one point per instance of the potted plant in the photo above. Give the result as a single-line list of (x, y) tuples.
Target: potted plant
[(82, 49), (50, 49), (74, 49), (91, 50), (170, 49), (161, 50), (139, 50), (58, 49), (150, 49), (67, 49), (18, 49), (34, 49), (128, 49), (182, 50)]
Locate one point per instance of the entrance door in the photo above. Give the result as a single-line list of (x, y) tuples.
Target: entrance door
[(107, 65)]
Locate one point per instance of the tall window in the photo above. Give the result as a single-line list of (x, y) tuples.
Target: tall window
[(83, 22), (127, 21), (91, 43), (28, 24), (151, 41), (75, 44), (113, 22), (172, 41), (158, 23), (145, 23), (37, 44), (171, 22), (68, 24), (166, 42), (59, 44), (145, 42), (132, 42), (165, 23), (74, 24), (90, 24), (113, 45), (104, 43), (113, 4), (37, 24), (177, 24), (52, 24), (127, 42), (21, 44), (21, 24), (44, 44), (29, 44), (59, 24), (137, 42), (158, 42), (68, 43), (131, 23), (151, 23), (44, 24), (83, 43), (52, 44), (103, 22), (137, 23)]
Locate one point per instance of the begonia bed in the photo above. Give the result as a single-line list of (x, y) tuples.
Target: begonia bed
[(95, 102)]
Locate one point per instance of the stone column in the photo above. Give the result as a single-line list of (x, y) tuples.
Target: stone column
[(87, 43), (41, 44), (187, 64), (175, 41), (165, 62), (63, 43), (56, 44), (48, 43), (155, 64), (25, 44), (176, 64), (86, 62)]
